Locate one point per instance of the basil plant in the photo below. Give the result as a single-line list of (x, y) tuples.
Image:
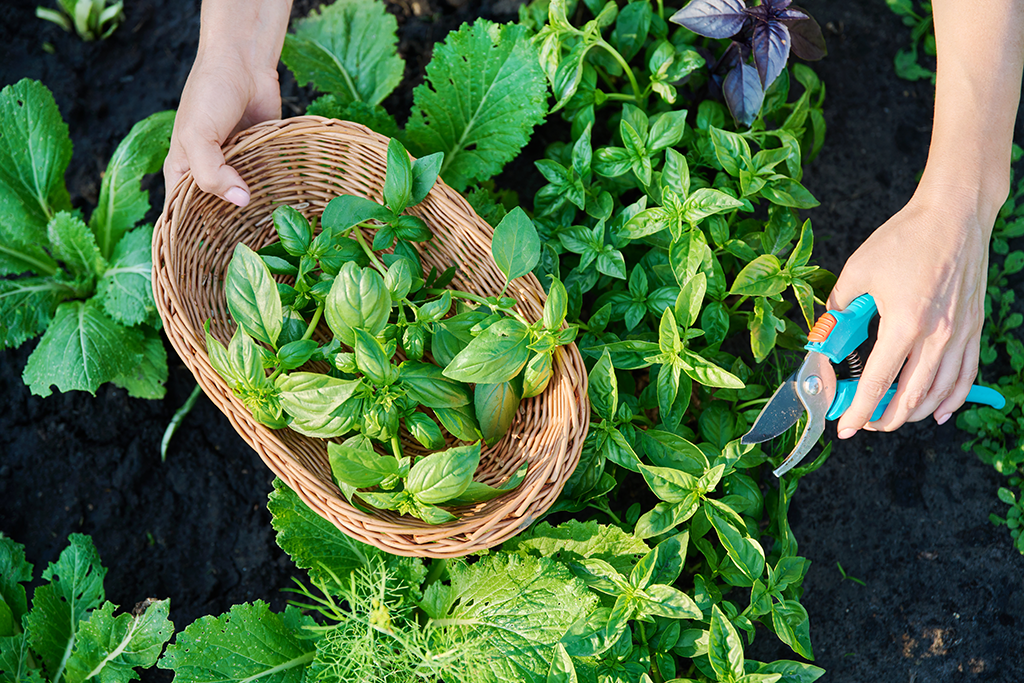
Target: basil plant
[(405, 350)]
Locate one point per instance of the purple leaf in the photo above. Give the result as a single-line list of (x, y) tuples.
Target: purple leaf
[(793, 14), (712, 18), (736, 53), (775, 6), (771, 50), (743, 93), (808, 43)]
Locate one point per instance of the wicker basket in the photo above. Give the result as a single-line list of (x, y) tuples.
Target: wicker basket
[(305, 162)]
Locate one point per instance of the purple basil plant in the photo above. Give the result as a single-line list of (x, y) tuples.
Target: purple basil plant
[(769, 31)]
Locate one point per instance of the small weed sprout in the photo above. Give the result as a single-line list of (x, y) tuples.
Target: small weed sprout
[(90, 19)]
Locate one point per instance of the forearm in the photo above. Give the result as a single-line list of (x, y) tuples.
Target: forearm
[(251, 31), (980, 47)]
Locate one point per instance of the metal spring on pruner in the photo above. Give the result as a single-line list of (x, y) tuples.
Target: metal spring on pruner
[(853, 362)]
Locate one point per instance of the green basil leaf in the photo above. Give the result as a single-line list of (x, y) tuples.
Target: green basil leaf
[(398, 178), (603, 388), (477, 492), (671, 603), (686, 254), (244, 356), (435, 310), (709, 374), (496, 406), (731, 150), (358, 299), (556, 306), (537, 374), (425, 430), (689, 300), (372, 360), (611, 162), (670, 485), (431, 514), (761, 277), (669, 450), (515, 245), (496, 356), (398, 279), (426, 384), (647, 222), (360, 468), (725, 649), (296, 353), (424, 175), (743, 550), (790, 623), (715, 322), (802, 252), (293, 230), (805, 298), (788, 192), (412, 229), (252, 296), (617, 449), (705, 202), (442, 476), (676, 174), (610, 262), (666, 516), (460, 422), (341, 213), (311, 396)]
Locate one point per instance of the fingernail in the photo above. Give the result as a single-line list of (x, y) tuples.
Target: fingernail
[(237, 196), (847, 433), (943, 419)]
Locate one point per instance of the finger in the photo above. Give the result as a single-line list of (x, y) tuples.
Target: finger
[(843, 294), (944, 382), (212, 174), (918, 380), (882, 366), (965, 379)]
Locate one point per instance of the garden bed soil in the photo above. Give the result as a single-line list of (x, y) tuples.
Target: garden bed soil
[(906, 512)]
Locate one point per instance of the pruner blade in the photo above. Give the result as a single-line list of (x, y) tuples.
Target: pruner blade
[(810, 389)]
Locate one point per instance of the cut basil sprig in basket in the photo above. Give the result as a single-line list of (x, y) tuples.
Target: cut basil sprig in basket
[(375, 305)]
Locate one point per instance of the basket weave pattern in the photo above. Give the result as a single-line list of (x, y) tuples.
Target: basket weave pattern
[(305, 162)]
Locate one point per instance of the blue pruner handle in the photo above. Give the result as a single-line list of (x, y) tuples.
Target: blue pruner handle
[(846, 388), (837, 334)]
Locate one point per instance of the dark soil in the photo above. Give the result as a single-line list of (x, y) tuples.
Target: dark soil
[(905, 512)]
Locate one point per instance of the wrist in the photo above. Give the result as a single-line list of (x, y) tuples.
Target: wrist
[(247, 32)]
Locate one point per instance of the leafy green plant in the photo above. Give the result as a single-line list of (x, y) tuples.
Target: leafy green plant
[(675, 242), (489, 69), (524, 613), (69, 632), (371, 310), (85, 287), (90, 19), (922, 40), (998, 435)]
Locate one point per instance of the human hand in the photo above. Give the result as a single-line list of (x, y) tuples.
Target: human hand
[(232, 85), (221, 97), (926, 268)]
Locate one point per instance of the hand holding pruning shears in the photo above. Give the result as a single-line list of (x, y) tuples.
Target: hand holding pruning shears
[(925, 268)]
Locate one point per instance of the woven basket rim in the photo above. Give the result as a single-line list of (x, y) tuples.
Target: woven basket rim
[(186, 231)]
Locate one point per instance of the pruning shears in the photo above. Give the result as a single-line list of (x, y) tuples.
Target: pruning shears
[(813, 388)]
